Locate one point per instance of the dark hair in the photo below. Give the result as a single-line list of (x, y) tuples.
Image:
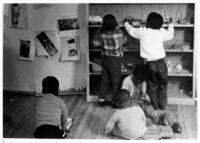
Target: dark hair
[(123, 98), (140, 74), (109, 22), (154, 21), (50, 84)]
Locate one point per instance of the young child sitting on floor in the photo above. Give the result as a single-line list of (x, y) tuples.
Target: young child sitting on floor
[(51, 111), (136, 85), (129, 121)]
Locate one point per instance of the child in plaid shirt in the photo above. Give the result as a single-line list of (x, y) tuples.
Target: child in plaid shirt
[(111, 39)]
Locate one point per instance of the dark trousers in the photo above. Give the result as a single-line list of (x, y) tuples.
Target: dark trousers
[(157, 83), (110, 76), (48, 131)]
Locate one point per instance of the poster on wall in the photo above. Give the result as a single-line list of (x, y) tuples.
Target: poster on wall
[(46, 43), (70, 48), (17, 16), (40, 51), (68, 25), (26, 49)]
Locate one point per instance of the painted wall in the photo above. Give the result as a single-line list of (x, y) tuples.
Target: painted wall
[(27, 75)]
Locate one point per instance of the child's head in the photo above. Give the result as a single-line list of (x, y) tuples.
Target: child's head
[(50, 84), (139, 74), (154, 21), (123, 99), (109, 22)]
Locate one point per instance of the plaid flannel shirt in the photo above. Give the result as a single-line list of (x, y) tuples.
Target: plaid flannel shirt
[(111, 42)]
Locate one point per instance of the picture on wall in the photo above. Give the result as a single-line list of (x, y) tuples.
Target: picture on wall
[(67, 24), (26, 49), (70, 48), (40, 51), (17, 16), (47, 44)]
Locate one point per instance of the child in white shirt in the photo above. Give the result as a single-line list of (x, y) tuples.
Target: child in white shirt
[(152, 51), (129, 121)]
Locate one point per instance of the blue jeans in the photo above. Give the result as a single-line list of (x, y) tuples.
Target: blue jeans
[(110, 76), (157, 83)]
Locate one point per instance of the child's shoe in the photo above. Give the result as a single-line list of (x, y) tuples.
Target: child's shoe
[(104, 103), (176, 127)]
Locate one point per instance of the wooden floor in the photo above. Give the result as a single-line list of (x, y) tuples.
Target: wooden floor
[(89, 118)]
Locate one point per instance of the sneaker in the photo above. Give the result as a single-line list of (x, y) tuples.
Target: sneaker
[(176, 127), (105, 103)]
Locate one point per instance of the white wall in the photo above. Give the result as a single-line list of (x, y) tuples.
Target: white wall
[(27, 75)]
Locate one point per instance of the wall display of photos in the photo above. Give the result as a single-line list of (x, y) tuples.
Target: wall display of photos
[(70, 48), (68, 25), (26, 49), (17, 17), (47, 44)]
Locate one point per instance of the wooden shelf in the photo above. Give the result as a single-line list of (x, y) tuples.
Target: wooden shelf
[(178, 51), (136, 50), (176, 25), (129, 72), (177, 97), (174, 97), (180, 74)]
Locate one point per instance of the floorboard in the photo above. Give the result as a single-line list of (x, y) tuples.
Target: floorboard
[(90, 119)]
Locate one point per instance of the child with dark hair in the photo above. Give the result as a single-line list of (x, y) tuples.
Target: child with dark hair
[(111, 39), (129, 121), (51, 111), (152, 51), (136, 85)]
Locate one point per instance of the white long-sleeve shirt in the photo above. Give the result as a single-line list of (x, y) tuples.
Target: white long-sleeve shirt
[(151, 40), (130, 121)]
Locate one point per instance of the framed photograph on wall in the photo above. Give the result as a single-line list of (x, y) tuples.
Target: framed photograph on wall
[(40, 51), (17, 16), (47, 44), (26, 49), (68, 25), (70, 48)]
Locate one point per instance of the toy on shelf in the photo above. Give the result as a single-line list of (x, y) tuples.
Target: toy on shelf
[(95, 67), (169, 65), (95, 19), (184, 21), (167, 20), (178, 68)]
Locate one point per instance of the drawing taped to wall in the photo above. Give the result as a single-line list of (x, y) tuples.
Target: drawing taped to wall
[(17, 16), (70, 48), (47, 44), (68, 24), (26, 49), (40, 51)]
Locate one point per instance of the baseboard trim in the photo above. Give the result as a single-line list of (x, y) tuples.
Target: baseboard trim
[(92, 98), (20, 92), (61, 93)]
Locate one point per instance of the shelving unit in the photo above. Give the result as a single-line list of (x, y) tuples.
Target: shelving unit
[(181, 82)]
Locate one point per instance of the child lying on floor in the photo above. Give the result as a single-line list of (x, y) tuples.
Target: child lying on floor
[(129, 121), (136, 85)]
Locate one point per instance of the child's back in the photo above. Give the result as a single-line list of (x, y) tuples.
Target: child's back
[(129, 121)]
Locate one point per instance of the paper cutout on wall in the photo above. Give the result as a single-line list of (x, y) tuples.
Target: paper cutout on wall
[(26, 49), (68, 25), (45, 44), (17, 16), (70, 48)]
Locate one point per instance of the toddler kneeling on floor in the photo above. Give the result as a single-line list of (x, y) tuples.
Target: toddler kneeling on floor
[(129, 121)]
